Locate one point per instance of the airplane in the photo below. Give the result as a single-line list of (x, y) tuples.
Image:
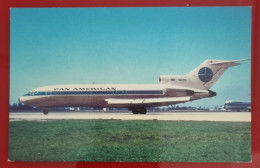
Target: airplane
[(238, 106), (171, 90)]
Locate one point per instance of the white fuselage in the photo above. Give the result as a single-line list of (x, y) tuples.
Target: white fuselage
[(172, 89), (94, 95)]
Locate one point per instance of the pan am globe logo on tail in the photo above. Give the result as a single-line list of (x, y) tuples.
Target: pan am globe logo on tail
[(205, 74)]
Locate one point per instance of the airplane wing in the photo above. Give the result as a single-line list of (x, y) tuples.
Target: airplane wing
[(148, 101)]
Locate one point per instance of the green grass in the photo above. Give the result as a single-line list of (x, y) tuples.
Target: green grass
[(116, 140)]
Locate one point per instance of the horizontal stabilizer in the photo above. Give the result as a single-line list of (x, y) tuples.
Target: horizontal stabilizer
[(228, 63), (148, 100)]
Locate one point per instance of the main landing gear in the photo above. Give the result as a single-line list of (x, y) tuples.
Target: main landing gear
[(45, 111), (139, 111)]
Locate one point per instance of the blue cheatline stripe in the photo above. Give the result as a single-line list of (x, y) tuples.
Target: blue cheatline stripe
[(119, 92)]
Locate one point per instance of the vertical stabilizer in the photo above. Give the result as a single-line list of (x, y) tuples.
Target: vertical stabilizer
[(204, 76)]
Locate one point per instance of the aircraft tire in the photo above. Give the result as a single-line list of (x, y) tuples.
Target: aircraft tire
[(139, 111), (134, 111), (143, 111), (45, 111)]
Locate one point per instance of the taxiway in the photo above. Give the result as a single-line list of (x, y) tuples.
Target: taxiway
[(181, 116)]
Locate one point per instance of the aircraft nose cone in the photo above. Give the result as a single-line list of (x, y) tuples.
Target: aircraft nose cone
[(21, 99)]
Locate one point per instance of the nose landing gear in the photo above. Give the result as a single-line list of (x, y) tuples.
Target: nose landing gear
[(45, 111)]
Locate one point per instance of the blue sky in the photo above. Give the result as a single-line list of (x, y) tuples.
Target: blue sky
[(52, 46)]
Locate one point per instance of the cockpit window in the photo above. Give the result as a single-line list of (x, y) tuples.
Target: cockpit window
[(33, 92)]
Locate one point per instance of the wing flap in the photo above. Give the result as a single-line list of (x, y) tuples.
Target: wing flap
[(148, 100)]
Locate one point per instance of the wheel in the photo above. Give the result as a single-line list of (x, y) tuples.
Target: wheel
[(139, 111), (143, 111), (134, 111), (45, 111)]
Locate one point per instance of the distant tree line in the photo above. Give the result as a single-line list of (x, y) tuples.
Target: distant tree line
[(167, 108), (20, 107)]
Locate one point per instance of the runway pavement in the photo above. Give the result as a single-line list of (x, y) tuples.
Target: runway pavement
[(182, 116)]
